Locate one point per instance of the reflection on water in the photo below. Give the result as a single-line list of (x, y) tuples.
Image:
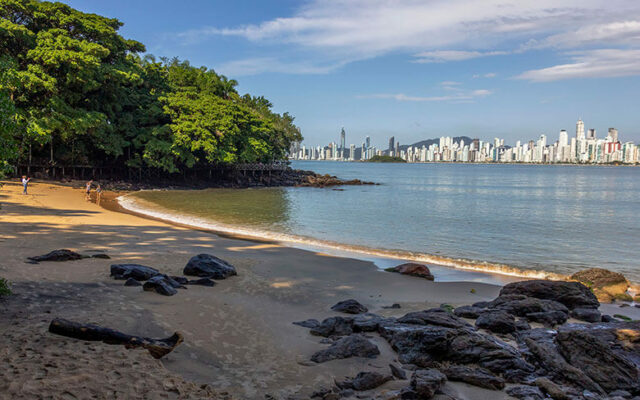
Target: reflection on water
[(552, 218)]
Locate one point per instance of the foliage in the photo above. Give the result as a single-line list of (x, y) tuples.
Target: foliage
[(76, 92), (5, 287), (8, 148), (386, 159)]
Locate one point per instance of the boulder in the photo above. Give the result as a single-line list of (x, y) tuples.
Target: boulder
[(350, 346), (202, 282), (101, 255), (208, 266), (521, 305), (554, 390), (474, 376), (132, 282), (497, 321), (180, 279), (397, 372), (571, 294), (334, 326), (586, 314), (368, 380), (433, 316), (308, 323), (58, 255), (135, 271), (426, 382), (549, 318), (525, 392), (413, 269), (350, 306), (604, 283), (160, 284), (471, 312)]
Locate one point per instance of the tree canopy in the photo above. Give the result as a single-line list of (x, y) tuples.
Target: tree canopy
[(73, 91)]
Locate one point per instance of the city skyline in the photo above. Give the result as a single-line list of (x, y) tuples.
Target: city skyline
[(583, 147), (449, 67)]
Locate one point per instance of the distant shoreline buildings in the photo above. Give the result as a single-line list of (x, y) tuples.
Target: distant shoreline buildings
[(583, 148)]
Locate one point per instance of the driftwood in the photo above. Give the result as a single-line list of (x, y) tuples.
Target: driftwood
[(157, 347)]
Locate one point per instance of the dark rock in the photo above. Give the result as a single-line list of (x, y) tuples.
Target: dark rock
[(132, 282), (370, 322), (397, 372), (555, 391), (549, 318), (522, 325), (521, 305), (584, 349), (202, 282), (180, 279), (393, 306), (308, 323), (497, 321), (468, 312), (434, 316), (58, 255), (606, 285), (208, 266), (426, 382), (571, 294), (620, 393), (159, 284), (350, 306), (525, 392), (413, 269), (474, 376), (586, 314), (368, 380), (334, 326), (135, 271), (608, 318), (349, 346), (101, 255)]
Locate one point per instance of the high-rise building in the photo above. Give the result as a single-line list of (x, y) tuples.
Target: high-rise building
[(397, 152), (392, 141), (580, 130), (367, 142), (591, 134), (613, 132), (342, 143), (563, 138)]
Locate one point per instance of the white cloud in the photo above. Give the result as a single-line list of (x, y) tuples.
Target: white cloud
[(452, 55), (490, 75), (258, 65), (457, 97), (600, 63), (620, 32)]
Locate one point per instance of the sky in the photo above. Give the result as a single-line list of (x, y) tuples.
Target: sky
[(513, 69)]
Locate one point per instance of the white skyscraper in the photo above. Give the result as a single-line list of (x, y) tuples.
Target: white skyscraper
[(580, 130), (563, 138)]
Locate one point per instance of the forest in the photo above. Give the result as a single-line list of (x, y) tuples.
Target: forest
[(75, 92)]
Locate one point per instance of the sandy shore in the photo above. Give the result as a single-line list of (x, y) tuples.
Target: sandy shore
[(239, 336)]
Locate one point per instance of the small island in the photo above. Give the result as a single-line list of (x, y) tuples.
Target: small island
[(386, 159)]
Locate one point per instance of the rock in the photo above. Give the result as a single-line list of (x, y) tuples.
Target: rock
[(608, 318), (101, 255), (132, 282), (434, 316), (522, 325), (553, 390), (426, 382), (604, 283), (397, 372), (369, 380), (497, 321), (474, 376), (370, 322), (58, 255), (588, 351), (135, 271), (521, 305), (468, 312), (308, 323), (549, 318), (586, 314), (350, 306), (160, 284), (393, 306), (350, 346), (208, 266), (180, 279), (525, 392), (571, 294), (620, 393), (413, 269), (334, 326), (202, 282)]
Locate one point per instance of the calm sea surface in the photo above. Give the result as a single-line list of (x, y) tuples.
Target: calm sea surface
[(554, 219)]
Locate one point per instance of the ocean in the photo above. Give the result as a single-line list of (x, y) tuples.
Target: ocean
[(517, 220)]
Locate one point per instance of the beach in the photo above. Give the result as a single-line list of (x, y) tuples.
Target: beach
[(239, 336)]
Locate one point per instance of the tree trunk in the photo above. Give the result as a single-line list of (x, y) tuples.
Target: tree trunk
[(157, 347)]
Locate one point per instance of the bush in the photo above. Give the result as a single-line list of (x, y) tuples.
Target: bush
[(5, 288)]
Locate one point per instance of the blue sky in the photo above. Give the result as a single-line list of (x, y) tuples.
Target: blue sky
[(413, 69)]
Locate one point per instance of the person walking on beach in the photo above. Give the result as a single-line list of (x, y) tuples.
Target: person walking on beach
[(25, 182), (98, 194), (88, 190)]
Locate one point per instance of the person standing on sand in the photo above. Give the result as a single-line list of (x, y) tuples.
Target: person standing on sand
[(25, 182), (98, 194), (88, 190)]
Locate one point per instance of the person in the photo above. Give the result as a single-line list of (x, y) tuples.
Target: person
[(88, 190), (98, 194), (25, 182)]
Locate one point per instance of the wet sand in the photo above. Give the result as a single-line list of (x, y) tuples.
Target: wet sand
[(239, 336)]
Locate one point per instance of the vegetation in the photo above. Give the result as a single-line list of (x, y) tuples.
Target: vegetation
[(5, 288), (386, 159), (75, 92)]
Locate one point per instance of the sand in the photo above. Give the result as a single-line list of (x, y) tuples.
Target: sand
[(239, 336)]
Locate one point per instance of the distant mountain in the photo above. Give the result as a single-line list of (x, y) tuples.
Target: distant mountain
[(429, 142)]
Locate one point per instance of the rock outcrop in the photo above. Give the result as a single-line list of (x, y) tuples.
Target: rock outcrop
[(58, 255), (349, 306), (134, 271), (208, 266), (570, 294), (349, 346), (413, 269), (606, 285)]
